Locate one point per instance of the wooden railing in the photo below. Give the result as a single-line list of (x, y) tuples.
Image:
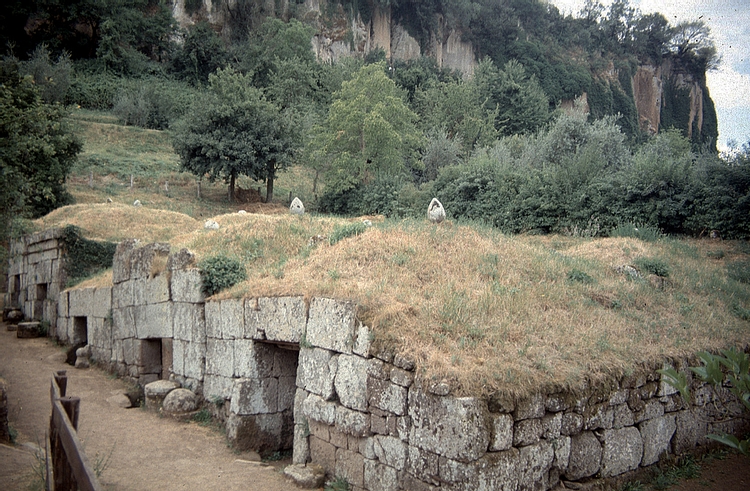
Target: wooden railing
[(71, 469)]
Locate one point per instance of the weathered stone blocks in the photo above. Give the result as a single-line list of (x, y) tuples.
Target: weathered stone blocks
[(656, 434), (331, 324), (585, 456), (622, 451), (317, 369), (350, 382)]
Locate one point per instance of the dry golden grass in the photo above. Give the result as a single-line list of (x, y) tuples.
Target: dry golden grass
[(115, 222), (494, 313)]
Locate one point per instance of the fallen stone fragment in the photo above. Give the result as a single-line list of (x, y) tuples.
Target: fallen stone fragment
[(310, 476), (435, 212)]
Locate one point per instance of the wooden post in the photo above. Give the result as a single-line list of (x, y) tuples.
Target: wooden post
[(61, 379), (72, 405), (199, 189), (91, 178), (131, 181)]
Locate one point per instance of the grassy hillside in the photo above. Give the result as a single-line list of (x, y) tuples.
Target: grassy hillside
[(485, 311)]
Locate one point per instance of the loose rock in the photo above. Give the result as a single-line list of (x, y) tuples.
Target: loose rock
[(310, 476), (211, 225), (435, 212), (296, 208)]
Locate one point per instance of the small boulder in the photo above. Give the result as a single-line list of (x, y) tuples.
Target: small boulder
[(156, 391), (297, 208), (180, 402), (310, 476), (28, 330), (83, 356), (211, 225), (435, 212), (137, 203), (14, 316), (242, 212)]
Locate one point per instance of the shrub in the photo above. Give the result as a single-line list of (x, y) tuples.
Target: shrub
[(578, 276), (341, 232), (652, 265), (221, 272), (84, 257)]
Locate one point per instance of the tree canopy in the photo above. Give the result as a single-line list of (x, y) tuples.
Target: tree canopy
[(236, 131)]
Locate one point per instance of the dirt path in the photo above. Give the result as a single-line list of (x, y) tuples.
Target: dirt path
[(147, 451)]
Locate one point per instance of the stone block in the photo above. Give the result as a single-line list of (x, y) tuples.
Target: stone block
[(131, 349), (350, 382), (102, 302), (306, 476), (691, 429), (623, 416), (121, 261), (379, 477), (220, 357), (232, 318), (213, 319), (61, 330), (387, 396), (331, 324), (551, 425), (651, 409), (180, 260), (534, 464), (178, 356), (80, 302), (285, 362), (318, 409), (562, 453), (502, 432), (316, 372), (155, 392), (216, 386), (188, 322), (154, 289), (62, 304), (195, 360), (362, 341), (144, 261), (350, 466), (258, 432), (402, 377), (99, 333), (496, 471), (319, 430), (463, 434), (323, 454), (299, 398), (656, 434), (585, 456), (123, 294), (527, 432), (251, 359), (622, 451), (598, 416), (301, 445), (254, 396), (534, 407), (352, 422), (422, 464), (286, 393), (280, 318), (186, 286), (123, 323), (378, 369), (390, 451), (153, 321)]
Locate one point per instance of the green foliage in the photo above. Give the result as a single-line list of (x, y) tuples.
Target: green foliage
[(341, 232), (369, 130), (84, 257), (221, 272), (730, 369), (52, 78), (578, 276), (203, 417), (236, 131), (652, 265), (94, 90), (153, 102), (202, 52), (37, 150), (337, 484), (641, 232)]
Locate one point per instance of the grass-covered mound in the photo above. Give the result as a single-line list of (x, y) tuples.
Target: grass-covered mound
[(491, 312), (114, 222)]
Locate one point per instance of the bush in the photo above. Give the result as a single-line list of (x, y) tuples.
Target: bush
[(84, 257), (652, 266), (221, 272), (341, 232), (93, 90), (153, 103)]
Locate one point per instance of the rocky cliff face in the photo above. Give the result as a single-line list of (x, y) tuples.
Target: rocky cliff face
[(341, 33), (667, 89)]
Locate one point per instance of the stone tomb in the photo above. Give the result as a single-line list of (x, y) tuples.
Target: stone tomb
[(286, 373)]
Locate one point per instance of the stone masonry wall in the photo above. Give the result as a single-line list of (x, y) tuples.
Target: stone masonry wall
[(35, 275), (291, 373)]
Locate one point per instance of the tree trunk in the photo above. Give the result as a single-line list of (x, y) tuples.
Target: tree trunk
[(232, 179), (269, 187)]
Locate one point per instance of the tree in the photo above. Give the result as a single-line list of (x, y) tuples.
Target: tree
[(235, 132), (37, 150), (202, 53), (692, 44), (369, 130)]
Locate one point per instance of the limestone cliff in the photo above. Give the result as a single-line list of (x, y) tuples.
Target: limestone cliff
[(341, 33)]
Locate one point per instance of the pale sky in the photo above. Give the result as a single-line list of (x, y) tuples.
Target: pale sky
[(729, 86)]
